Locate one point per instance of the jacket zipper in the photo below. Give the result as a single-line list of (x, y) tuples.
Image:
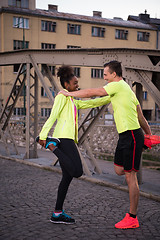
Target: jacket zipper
[(63, 125)]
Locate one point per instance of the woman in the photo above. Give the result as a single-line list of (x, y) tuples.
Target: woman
[(65, 111)]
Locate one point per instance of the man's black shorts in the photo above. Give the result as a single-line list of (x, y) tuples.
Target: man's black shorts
[(129, 150)]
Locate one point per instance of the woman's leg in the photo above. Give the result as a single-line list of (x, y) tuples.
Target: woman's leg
[(69, 157), (59, 216), (70, 161), (62, 189)]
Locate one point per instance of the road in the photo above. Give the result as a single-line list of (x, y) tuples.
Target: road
[(28, 195)]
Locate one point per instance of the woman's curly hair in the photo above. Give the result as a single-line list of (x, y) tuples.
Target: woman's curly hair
[(65, 73)]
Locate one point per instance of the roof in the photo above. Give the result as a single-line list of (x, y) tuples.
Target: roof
[(78, 18), (155, 21)]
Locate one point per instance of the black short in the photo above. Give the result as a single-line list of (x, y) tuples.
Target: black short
[(129, 150)]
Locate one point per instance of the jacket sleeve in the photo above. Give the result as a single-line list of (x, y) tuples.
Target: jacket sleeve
[(92, 103), (60, 101)]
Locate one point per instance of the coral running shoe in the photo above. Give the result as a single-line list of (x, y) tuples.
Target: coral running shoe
[(127, 222)]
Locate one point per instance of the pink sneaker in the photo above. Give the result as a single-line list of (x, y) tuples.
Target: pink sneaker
[(127, 222)]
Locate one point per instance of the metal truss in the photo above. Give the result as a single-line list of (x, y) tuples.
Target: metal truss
[(138, 66)]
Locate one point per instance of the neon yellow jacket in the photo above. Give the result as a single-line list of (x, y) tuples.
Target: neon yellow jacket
[(63, 112)]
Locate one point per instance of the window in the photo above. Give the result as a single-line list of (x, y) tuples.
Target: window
[(74, 29), (19, 3), (16, 68), (121, 34), (147, 114), (98, 32), (16, 90), (43, 93), (143, 36), (145, 95), (77, 72), (96, 73), (19, 111), (17, 44), (52, 69), (45, 112), (20, 22), (48, 46), (48, 26), (70, 46)]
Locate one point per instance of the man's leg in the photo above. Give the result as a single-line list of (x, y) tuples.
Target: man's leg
[(131, 179), (119, 170), (130, 220)]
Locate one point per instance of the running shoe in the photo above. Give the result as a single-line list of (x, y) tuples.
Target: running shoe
[(127, 222), (62, 218), (50, 140), (151, 140)]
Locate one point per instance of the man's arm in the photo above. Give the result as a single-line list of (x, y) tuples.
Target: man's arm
[(142, 121), (86, 93)]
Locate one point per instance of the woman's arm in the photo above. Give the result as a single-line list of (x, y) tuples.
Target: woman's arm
[(92, 103), (58, 105), (86, 93), (143, 122)]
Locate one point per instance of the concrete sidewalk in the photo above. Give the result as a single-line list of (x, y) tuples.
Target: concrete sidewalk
[(149, 188)]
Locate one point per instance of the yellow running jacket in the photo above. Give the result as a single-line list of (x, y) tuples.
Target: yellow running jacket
[(63, 111)]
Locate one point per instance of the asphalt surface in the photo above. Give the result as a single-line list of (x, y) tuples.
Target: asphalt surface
[(27, 199)]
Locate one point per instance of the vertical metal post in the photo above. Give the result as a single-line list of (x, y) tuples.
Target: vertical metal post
[(35, 112), (24, 87), (140, 99), (28, 111)]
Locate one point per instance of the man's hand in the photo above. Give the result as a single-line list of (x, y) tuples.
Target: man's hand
[(64, 93)]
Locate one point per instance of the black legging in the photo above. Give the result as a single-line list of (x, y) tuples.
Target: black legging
[(71, 165)]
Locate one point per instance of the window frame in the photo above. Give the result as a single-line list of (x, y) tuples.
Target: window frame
[(19, 43), (20, 22), (48, 46), (19, 111), (77, 71), (98, 32), (73, 29), (48, 26), (19, 3), (43, 93), (121, 34), (97, 73), (143, 36), (45, 112), (71, 47), (145, 95)]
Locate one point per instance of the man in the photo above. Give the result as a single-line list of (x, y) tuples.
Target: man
[(128, 118)]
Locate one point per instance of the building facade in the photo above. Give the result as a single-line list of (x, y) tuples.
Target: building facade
[(25, 27)]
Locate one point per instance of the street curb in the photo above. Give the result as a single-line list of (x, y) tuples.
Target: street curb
[(84, 178)]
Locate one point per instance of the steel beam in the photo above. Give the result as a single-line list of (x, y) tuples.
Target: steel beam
[(130, 58)]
